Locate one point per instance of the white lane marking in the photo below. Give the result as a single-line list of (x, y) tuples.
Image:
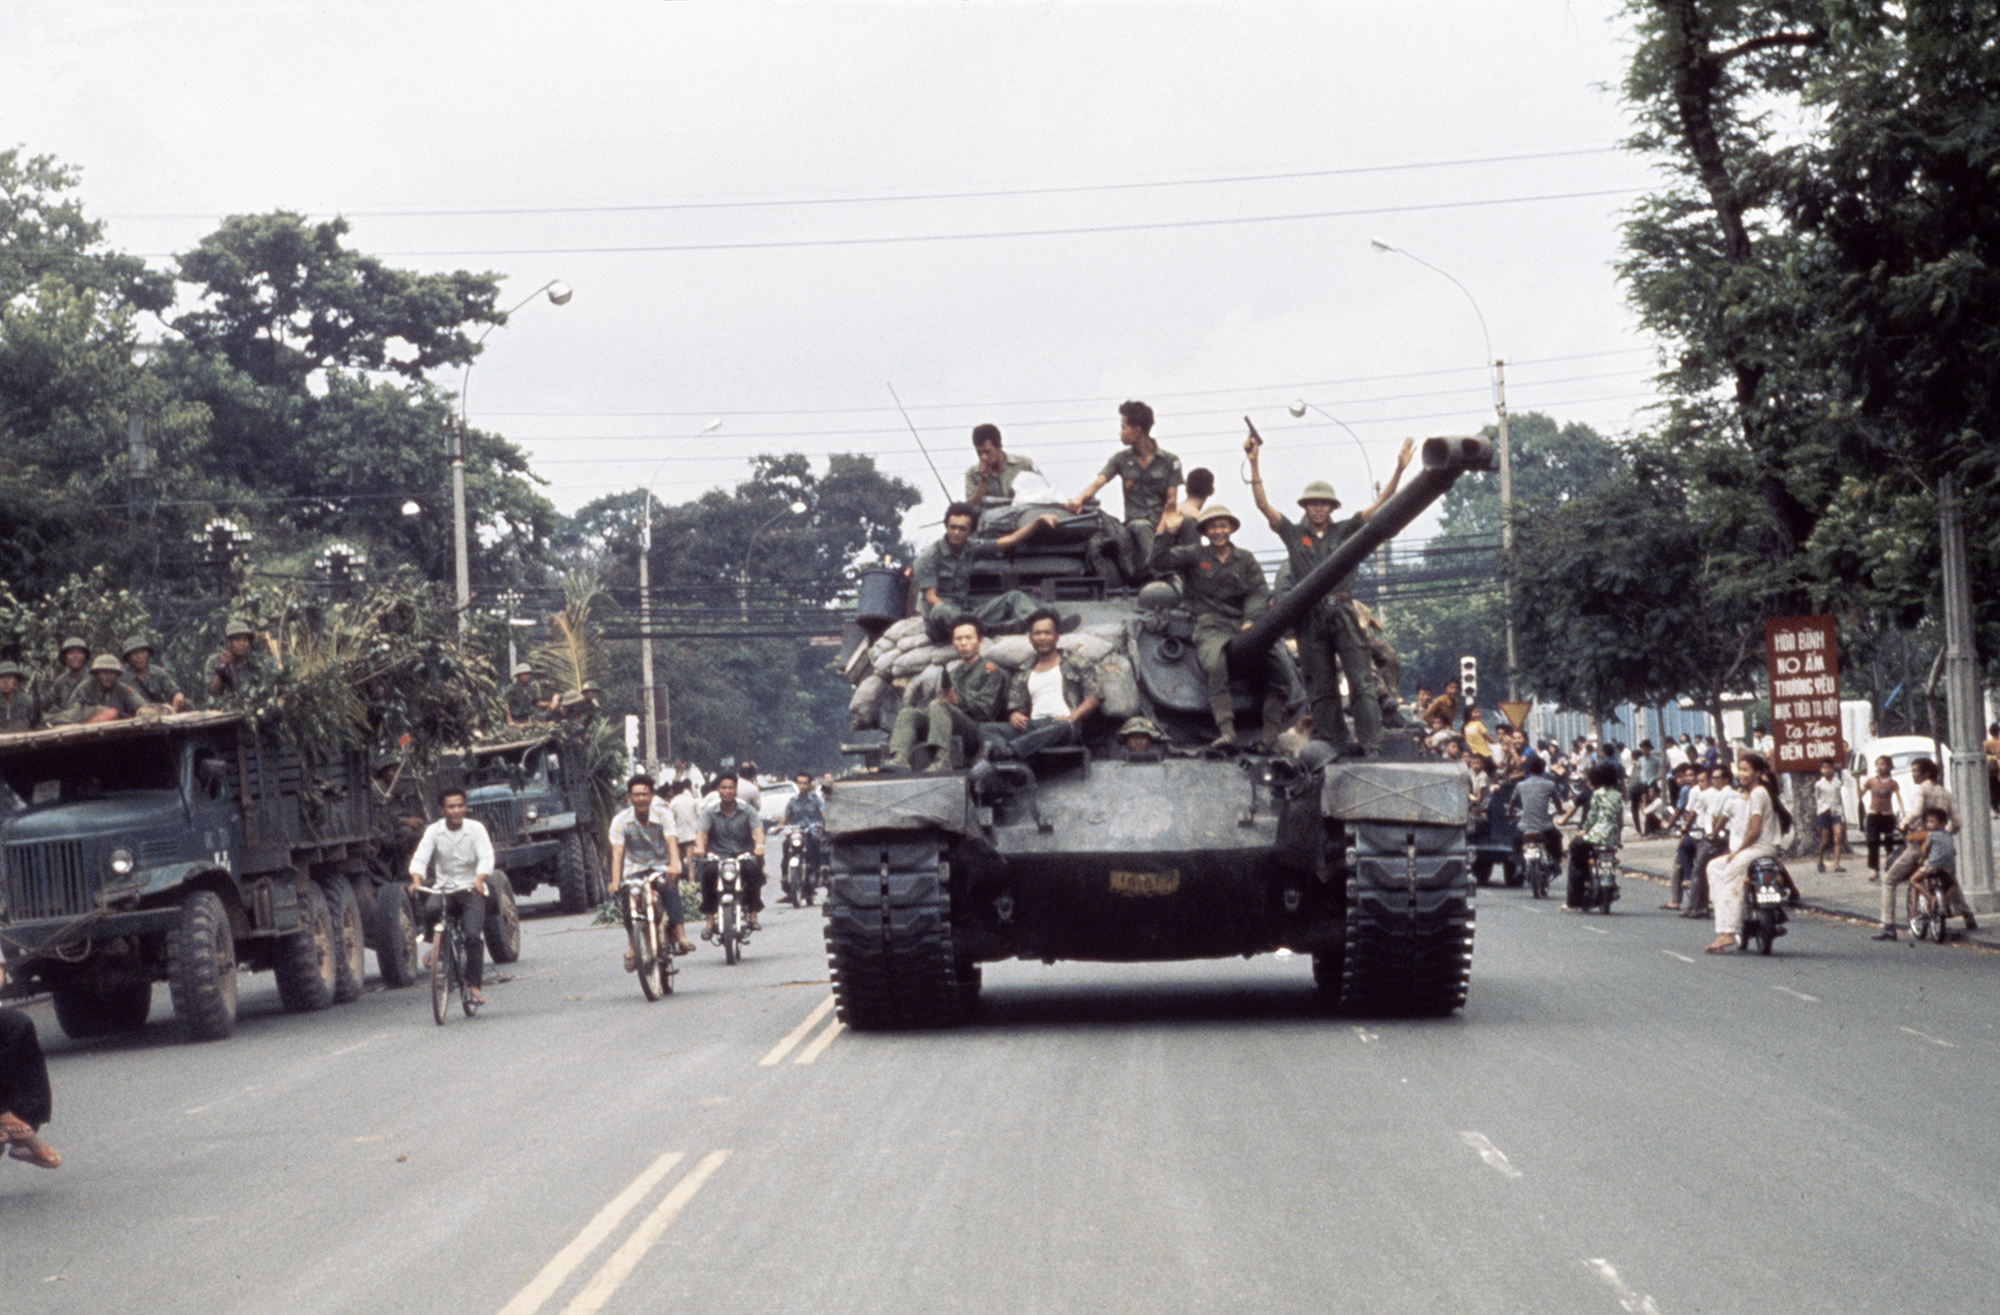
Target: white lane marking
[(348, 1050), (819, 1043), (543, 1285), (626, 1258), (1636, 1303), (1367, 1038), (1490, 1153), (1936, 1041), (1684, 958), (797, 1034), (1797, 995), (1599, 930)]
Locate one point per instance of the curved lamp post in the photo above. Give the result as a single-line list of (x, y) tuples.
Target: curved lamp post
[(795, 508), (558, 293), (1506, 458)]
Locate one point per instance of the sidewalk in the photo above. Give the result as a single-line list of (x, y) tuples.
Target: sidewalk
[(1847, 894)]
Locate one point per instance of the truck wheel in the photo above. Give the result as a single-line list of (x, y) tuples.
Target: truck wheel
[(573, 883), (503, 920), (888, 935), (350, 954), (86, 1009), (305, 959), (395, 936), (201, 968)]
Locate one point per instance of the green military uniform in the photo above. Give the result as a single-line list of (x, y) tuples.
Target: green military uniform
[(53, 695), (522, 705), (156, 684), (17, 710), (1145, 502), (1329, 634), (90, 698), (981, 685), (949, 572), (1000, 485), (1223, 595)]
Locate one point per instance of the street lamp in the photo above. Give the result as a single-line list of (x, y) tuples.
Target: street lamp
[(794, 508), (558, 293), (1506, 461), (1298, 410), (650, 740)]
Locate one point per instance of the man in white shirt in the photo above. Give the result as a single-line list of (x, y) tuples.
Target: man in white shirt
[(463, 855)]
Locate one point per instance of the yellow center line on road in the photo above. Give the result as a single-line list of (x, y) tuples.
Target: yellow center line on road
[(797, 1034), (543, 1286), (819, 1043), (626, 1258)]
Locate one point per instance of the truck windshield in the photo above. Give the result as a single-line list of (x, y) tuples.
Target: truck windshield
[(57, 775)]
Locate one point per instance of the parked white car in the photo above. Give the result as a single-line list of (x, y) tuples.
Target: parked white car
[(1901, 751)]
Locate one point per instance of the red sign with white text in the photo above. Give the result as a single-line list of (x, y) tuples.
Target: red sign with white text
[(1803, 660)]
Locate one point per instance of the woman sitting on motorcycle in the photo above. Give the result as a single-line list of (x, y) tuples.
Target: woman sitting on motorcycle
[(1754, 833), (1603, 824)]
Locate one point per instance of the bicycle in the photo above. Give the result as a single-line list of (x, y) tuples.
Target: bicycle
[(448, 962), (646, 927), (1930, 908)]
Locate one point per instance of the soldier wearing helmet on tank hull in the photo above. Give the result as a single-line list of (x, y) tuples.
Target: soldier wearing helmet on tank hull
[(1225, 589), (1331, 641)]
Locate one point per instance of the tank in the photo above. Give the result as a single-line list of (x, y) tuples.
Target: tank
[(1188, 852)]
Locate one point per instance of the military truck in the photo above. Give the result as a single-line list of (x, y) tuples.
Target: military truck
[(534, 799), (1189, 851), (178, 849)]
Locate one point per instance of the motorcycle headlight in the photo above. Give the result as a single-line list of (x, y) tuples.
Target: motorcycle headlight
[(122, 862)]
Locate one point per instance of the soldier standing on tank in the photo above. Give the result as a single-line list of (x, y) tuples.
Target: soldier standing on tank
[(1330, 637), (150, 683), (943, 575), (71, 663), (1151, 477), (992, 476), (522, 705), (971, 697), (1225, 589), (233, 668), (17, 705)]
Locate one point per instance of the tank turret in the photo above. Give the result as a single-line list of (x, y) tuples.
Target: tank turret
[(1096, 851)]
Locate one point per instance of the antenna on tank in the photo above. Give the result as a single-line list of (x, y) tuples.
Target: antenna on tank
[(920, 444)]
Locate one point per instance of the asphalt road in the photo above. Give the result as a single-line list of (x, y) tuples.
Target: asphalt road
[(1616, 1123)]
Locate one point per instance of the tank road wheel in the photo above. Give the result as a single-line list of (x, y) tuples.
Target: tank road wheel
[(86, 1008), (1409, 924), (573, 882), (201, 968), (503, 920), (888, 935), (305, 965), (395, 936), (350, 954)]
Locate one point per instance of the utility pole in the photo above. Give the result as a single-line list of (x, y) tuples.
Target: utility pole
[(1506, 527), (1963, 707), (649, 723)]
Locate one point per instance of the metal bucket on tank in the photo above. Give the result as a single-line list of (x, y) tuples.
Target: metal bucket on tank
[(882, 598)]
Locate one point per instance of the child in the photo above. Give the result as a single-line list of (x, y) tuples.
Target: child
[(1832, 825)]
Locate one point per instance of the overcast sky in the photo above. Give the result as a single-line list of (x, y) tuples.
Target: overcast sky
[(770, 213)]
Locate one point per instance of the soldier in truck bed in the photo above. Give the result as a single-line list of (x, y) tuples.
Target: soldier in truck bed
[(17, 705), (234, 667), (71, 663), (152, 684), (104, 692)]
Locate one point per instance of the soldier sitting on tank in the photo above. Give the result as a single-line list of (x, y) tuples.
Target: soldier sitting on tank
[(1143, 740), (943, 575), (1151, 478), (1048, 700), (1331, 641), (154, 685), (970, 699), (992, 477), (1225, 589), (103, 698), (17, 705)]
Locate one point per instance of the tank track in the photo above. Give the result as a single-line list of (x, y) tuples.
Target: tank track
[(888, 934), (1409, 924)]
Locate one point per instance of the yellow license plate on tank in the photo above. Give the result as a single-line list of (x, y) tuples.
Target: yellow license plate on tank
[(1145, 883)]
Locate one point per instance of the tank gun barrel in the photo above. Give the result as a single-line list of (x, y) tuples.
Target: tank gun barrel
[(1440, 464)]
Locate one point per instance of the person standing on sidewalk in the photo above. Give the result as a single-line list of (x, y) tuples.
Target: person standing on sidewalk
[(1759, 829), (1684, 818), (1832, 824), (1882, 809)]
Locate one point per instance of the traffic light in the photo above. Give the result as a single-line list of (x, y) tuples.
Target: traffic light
[(1468, 679)]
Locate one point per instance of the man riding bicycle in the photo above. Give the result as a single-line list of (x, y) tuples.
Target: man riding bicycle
[(727, 829), (463, 855), (641, 834)]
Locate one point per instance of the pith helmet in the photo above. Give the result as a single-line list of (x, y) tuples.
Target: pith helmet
[(105, 662), (523, 669), (10, 669), (134, 644), (238, 626), (1215, 511), (1140, 726), (73, 642), (1318, 491)]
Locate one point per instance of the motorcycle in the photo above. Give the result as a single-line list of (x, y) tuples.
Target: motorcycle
[(802, 873), (1764, 904), (732, 931)]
